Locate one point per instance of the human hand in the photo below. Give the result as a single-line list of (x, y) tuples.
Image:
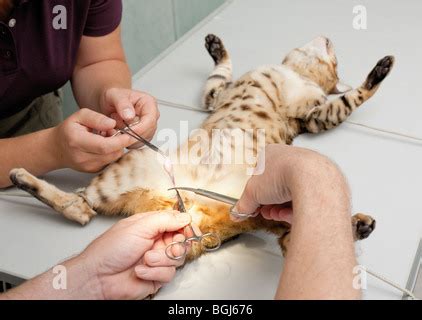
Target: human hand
[(76, 145), (124, 105), (271, 192), (129, 260)]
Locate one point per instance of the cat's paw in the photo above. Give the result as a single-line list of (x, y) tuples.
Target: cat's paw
[(380, 71), (363, 225), (23, 180), (76, 209), (215, 48)]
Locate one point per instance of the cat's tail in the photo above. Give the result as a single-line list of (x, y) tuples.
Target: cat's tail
[(74, 206), (333, 113)]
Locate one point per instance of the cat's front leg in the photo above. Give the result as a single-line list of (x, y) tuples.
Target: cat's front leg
[(72, 205)]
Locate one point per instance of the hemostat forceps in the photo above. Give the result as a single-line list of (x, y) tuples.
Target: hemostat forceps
[(178, 250), (222, 198)]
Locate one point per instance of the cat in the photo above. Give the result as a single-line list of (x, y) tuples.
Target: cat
[(286, 100)]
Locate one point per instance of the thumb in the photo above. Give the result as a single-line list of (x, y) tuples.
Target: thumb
[(165, 221), (247, 203), (123, 106)]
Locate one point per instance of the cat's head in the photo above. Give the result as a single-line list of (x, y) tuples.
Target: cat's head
[(317, 61)]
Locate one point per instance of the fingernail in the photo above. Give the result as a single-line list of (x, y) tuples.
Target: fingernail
[(141, 270), (128, 113), (153, 257), (183, 217), (233, 216)]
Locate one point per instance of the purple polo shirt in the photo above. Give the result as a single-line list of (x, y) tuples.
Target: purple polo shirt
[(37, 55)]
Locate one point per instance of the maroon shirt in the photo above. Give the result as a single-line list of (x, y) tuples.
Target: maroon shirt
[(37, 58)]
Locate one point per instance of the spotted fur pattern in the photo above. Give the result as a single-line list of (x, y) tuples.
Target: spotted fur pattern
[(285, 100)]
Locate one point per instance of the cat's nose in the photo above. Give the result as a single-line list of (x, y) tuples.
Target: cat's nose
[(320, 45), (320, 42)]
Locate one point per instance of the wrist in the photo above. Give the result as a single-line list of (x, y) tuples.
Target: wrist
[(82, 280), (54, 158)]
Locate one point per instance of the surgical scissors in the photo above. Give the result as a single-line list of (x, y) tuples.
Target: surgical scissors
[(222, 198)]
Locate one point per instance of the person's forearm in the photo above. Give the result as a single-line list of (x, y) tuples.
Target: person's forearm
[(69, 281), (35, 152), (90, 83), (320, 258)]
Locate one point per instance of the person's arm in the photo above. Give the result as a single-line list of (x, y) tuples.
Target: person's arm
[(101, 65), (72, 144), (126, 262), (102, 81), (320, 257), (33, 151)]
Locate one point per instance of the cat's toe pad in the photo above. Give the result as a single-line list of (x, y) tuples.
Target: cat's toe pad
[(215, 47), (380, 71)]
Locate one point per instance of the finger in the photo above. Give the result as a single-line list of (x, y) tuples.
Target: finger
[(160, 274), (282, 214), (121, 104), (165, 221), (278, 213), (112, 157), (158, 258), (147, 110), (94, 120), (96, 144), (142, 215)]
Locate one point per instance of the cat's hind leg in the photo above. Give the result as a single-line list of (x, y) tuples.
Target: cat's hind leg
[(333, 113), (221, 76), (72, 205)]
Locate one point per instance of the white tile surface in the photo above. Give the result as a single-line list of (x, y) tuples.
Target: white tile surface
[(262, 32)]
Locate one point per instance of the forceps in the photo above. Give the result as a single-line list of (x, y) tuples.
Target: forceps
[(222, 198), (209, 241)]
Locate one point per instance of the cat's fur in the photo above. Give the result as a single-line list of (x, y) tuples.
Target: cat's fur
[(285, 100)]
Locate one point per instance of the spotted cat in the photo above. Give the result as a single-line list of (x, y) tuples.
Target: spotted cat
[(283, 101)]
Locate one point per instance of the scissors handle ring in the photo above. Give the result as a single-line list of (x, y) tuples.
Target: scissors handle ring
[(173, 245), (214, 238)]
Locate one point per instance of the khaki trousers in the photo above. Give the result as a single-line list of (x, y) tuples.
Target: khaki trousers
[(42, 113)]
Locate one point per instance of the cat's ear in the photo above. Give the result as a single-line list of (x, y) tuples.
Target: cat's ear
[(341, 88)]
